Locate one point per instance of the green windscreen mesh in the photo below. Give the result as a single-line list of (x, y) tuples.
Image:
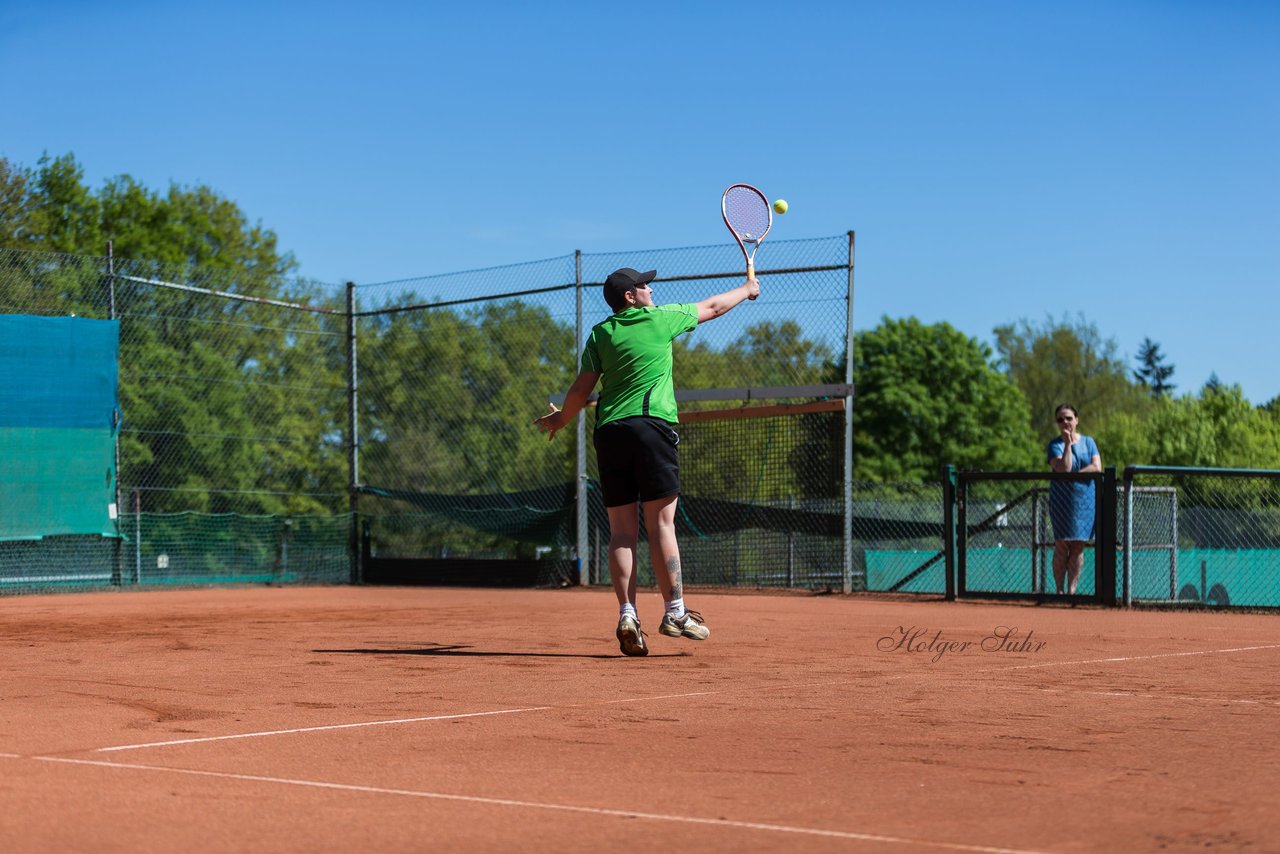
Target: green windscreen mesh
[(57, 446)]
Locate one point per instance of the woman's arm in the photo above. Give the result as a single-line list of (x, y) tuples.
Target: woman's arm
[(1095, 461), (1063, 461)]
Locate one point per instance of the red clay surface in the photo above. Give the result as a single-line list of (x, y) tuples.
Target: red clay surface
[(377, 719)]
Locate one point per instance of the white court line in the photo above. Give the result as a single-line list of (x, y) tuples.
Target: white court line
[(1142, 695), (319, 728), (1126, 658), (508, 802), (388, 722), (645, 699), (862, 679)]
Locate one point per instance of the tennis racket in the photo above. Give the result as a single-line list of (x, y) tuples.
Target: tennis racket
[(747, 214)]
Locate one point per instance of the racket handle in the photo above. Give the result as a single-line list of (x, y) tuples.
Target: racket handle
[(751, 274)]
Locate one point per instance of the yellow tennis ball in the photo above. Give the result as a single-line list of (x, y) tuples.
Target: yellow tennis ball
[(780, 206)]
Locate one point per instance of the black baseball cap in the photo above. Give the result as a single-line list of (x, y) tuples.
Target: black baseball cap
[(623, 280)]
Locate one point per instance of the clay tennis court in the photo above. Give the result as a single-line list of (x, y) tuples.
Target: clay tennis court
[(398, 719)]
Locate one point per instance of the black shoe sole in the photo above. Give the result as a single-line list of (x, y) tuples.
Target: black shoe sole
[(632, 645)]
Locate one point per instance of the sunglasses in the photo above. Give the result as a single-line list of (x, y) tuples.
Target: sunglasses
[(1062, 419)]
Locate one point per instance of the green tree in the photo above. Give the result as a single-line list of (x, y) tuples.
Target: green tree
[(227, 405), (771, 353), (927, 396), (192, 226), (1153, 373), (750, 460), (65, 214), (1218, 429), (1062, 362), (51, 209), (16, 227)]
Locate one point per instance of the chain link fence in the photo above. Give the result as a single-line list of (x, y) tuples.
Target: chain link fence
[(257, 415), (1166, 536), (1007, 526), (452, 376), (1225, 527), (230, 427)]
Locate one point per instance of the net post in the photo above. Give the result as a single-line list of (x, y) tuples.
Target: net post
[(353, 439), (791, 547), (962, 536), (1035, 551), (580, 463), (949, 529), (1173, 550), (848, 430), (1128, 537), (1105, 556), (117, 567), (135, 499)]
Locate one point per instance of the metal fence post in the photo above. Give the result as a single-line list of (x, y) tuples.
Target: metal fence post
[(1128, 536), (848, 431), (1173, 552), (136, 501), (1105, 553), (949, 529), (580, 464), (353, 437), (117, 568), (962, 535), (1037, 571)]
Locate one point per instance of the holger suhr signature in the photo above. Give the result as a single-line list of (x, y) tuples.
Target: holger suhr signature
[(934, 643)]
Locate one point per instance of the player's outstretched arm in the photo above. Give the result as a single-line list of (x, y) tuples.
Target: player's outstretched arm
[(574, 401), (712, 307)]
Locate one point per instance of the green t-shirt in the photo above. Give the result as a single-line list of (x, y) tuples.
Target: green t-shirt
[(631, 351)]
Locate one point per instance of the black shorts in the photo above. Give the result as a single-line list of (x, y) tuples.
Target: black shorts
[(638, 460)]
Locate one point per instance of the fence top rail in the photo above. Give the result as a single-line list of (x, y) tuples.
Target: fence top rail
[(691, 277), (160, 283), (1131, 471), (748, 393), (421, 306)]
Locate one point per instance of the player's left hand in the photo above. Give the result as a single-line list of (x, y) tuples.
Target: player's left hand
[(551, 423)]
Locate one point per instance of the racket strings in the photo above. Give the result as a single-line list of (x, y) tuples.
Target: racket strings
[(747, 213)]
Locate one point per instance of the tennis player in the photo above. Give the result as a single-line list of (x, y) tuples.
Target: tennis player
[(636, 439)]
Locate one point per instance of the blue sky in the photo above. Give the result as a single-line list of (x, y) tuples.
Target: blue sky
[(1118, 161)]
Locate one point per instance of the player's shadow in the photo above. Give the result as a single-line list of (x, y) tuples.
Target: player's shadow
[(462, 651)]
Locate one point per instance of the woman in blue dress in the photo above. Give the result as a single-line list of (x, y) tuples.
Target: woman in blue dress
[(1071, 503)]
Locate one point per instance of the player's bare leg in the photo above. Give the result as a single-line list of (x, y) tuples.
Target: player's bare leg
[(623, 530), (664, 551)]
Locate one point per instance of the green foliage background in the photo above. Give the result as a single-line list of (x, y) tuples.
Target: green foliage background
[(232, 406)]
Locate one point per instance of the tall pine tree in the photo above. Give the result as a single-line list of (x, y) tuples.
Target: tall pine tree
[(1153, 373)]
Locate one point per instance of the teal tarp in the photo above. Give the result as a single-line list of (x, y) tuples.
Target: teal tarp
[(58, 383)]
